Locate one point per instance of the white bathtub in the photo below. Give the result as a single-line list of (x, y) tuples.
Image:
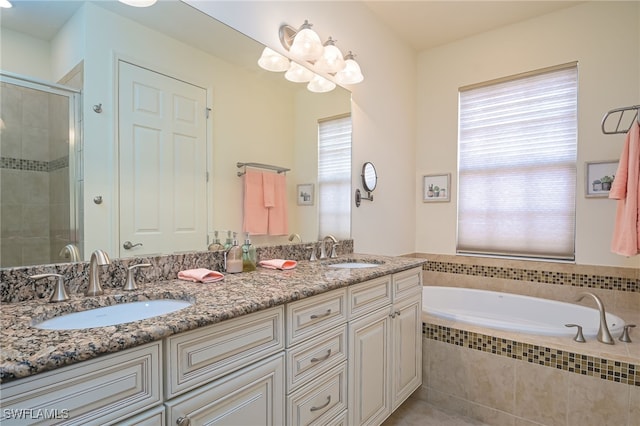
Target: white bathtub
[(506, 311)]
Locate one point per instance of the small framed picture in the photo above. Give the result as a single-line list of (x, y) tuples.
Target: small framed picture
[(305, 194), (599, 177), (436, 188)]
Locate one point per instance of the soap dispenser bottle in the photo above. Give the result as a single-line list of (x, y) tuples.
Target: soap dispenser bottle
[(215, 245), (249, 257), (233, 257), (228, 243)]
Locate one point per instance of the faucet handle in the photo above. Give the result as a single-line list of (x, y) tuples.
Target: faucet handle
[(314, 252), (333, 250), (59, 292), (131, 285), (625, 333), (579, 336)]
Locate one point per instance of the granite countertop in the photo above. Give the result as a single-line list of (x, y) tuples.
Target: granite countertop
[(27, 350)]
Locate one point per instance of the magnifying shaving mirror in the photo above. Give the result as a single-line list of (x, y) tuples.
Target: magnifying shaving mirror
[(369, 182)]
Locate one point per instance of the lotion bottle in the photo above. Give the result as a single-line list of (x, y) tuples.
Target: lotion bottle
[(249, 257), (215, 245), (233, 257)]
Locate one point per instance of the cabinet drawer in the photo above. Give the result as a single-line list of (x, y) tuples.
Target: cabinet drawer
[(308, 317), (407, 283), (153, 417), (369, 295), (320, 400), (202, 355), (96, 392), (315, 356), (253, 395)]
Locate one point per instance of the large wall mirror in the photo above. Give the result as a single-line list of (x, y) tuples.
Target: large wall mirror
[(250, 115)]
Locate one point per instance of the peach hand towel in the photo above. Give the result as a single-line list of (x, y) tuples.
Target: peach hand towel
[(200, 275), (626, 189), (269, 189), (278, 264), (278, 216), (256, 215)]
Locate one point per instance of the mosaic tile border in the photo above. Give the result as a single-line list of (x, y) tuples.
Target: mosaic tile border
[(33, 165), (586, 365), (545, 277)]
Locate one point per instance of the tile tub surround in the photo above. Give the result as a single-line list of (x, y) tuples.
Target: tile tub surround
[(15, 285), (27, 350), (495, 377), (506, 378)]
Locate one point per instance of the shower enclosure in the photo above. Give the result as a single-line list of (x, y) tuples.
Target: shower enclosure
[(39, 175)]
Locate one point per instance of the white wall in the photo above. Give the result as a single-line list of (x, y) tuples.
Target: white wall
[(602, 36), (383, 106), (14, 44)]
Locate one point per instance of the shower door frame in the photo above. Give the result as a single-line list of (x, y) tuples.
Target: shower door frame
[(75, 143)]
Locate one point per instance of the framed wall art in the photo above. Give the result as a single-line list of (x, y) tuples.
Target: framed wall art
[(436, 188), (599, 177), (305, 194)]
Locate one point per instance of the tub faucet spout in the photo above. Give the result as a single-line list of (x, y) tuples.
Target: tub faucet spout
[(603, 331)]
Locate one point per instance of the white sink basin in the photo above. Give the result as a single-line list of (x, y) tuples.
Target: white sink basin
[(114, 314), (353, 265)]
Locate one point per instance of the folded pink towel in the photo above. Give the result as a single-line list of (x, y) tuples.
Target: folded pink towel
[(201, 275), (278, 264)]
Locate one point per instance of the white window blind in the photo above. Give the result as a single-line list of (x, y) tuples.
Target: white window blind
[(517, 166), (334, 177)]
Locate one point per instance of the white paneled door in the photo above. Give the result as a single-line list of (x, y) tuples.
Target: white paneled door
[(162, 162)]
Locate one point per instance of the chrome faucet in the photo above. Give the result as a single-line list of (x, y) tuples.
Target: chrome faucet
[(71, 252), (98, 257), (293, 237), (604, 335), (323, 250)]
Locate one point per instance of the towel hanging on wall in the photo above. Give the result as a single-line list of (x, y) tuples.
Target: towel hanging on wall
[(626, 189)]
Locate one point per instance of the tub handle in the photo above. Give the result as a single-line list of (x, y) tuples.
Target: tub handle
[(625, 333), (579, 336)]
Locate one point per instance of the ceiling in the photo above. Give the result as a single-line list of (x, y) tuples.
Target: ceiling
[(422, 24)]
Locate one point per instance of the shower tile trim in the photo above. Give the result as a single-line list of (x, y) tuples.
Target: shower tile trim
[(587, 365), (541, 276), (33, 165)]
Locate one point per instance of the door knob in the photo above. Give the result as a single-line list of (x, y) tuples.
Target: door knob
[(128, 245)]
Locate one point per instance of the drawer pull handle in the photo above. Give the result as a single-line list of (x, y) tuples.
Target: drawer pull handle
[(324, 358), (326, 314), (323, 405), (183, 421)]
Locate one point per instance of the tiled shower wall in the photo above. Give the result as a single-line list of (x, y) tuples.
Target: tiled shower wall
[(509, 379), (34, 168)]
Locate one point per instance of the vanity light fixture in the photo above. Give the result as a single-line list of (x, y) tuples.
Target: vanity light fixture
[(304, 45), (138, 3), (5, 4)]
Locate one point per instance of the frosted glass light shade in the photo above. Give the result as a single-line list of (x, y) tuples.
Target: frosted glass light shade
[(306, 44), (138, 3), (271, 60), (351, 73), (298, 74), (320, 84), (5, 4), (331, 60)]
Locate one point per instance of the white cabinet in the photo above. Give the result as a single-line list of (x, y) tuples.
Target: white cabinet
[(385, 354), (250, 396), (100, 391), (316, 359)]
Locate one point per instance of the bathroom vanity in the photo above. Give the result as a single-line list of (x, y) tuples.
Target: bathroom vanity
[(319, 344)]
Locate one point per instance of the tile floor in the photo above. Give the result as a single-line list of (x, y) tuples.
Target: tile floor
[(415, 412)]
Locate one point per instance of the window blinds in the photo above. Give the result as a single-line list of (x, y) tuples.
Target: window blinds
[(334, 177), (517, 166)]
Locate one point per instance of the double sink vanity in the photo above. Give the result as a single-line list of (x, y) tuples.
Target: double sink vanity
[(330, 342)]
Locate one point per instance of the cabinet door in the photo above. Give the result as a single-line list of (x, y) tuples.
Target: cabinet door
[(251, 396), (369, 358), (406, 370)]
